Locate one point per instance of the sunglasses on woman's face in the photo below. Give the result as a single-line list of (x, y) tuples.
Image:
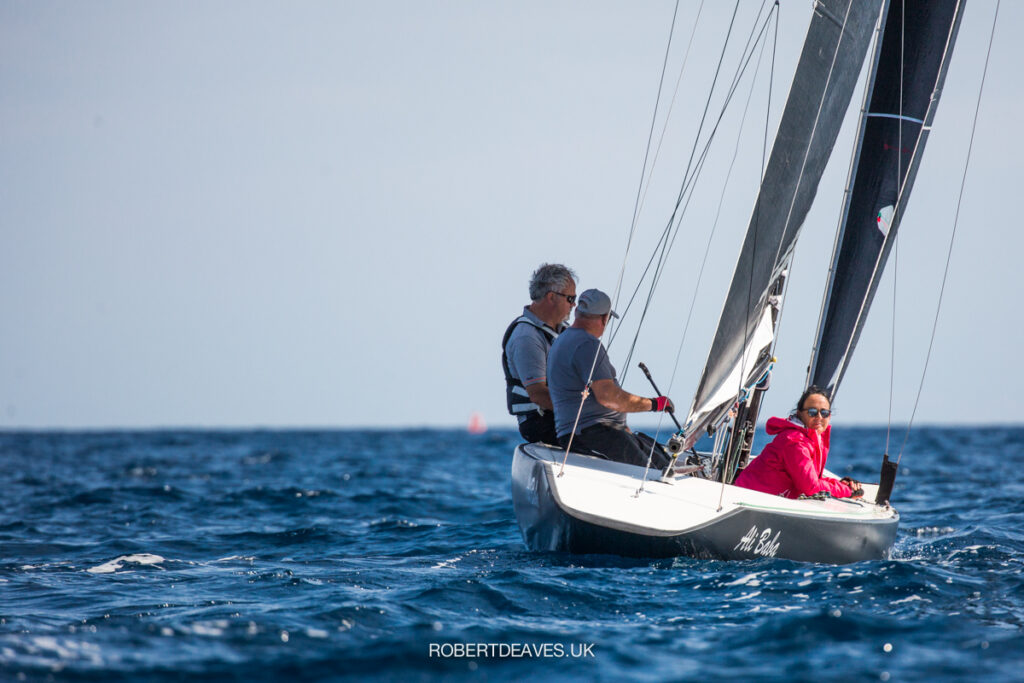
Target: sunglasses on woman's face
[(814, 412)]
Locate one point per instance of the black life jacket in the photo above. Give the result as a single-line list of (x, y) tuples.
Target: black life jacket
[(516, 397)]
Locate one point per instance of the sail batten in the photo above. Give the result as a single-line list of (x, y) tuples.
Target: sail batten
[(908, 73), (834, 49)]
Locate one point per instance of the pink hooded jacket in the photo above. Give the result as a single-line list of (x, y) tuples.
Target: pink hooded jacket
[(792, 463)]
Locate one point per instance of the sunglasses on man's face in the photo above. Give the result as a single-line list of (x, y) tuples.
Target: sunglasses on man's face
[(814, 412), (571, 298)]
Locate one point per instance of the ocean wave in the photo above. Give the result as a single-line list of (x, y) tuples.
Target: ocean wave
[(142, 560)]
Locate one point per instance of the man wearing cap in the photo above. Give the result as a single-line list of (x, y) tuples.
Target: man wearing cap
[(524, 350), (601, 429)]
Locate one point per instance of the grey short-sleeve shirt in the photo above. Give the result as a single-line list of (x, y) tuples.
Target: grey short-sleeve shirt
[(569, 362), (527, 351)]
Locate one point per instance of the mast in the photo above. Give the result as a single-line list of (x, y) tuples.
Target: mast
[(834, 49), (910, 67)]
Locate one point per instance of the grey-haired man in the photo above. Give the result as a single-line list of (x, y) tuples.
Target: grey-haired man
[(524, 350), (601, 428)]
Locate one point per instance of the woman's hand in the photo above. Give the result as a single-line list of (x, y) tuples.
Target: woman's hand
[(855, 487)]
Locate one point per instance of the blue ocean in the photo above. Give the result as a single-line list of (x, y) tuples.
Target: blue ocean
[(395, 555)]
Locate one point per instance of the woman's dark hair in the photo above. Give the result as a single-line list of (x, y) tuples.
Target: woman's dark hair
[(811, 391)]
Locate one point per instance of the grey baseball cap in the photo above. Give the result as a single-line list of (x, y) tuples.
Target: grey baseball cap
[(595, 302)]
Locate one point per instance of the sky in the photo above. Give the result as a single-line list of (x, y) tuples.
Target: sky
[(324, 214)]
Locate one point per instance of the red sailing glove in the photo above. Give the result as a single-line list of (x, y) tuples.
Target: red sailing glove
[(662, 403)]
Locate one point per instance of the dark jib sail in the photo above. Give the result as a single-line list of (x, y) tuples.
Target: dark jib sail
[(910, 67), (833, 53)]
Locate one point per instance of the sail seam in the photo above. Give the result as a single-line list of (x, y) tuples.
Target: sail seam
[(901, 117)]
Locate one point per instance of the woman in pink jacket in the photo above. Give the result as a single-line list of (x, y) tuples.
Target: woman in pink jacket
[(792, 464)]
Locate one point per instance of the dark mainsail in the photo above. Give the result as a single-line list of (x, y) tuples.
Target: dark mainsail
[(910, 67), (833, 53)]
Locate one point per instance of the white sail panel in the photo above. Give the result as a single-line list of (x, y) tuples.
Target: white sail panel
[(726, 391)]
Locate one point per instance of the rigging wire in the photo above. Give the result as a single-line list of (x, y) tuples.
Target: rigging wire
[(895, 219), (764, 154), (786, 264), (641, 199), (670, 242), (735, 84), (668, 236), (826, 300), (803, 166), (721, 201), (892, 337), (789, 215), (622, 271), (689, 179), (686, 174), (952, 237), (586, 389), (755, 37), (650, 136)]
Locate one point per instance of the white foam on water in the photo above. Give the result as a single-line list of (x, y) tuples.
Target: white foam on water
[(969, 550), (233, 558), (783, 608), (446, 564), (114, 565), (30, 567), (912, 598), (748, 580)]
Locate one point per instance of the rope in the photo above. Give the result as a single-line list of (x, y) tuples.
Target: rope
[(952, 237)]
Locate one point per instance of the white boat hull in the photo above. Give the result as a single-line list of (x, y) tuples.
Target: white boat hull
[(595, 507)]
